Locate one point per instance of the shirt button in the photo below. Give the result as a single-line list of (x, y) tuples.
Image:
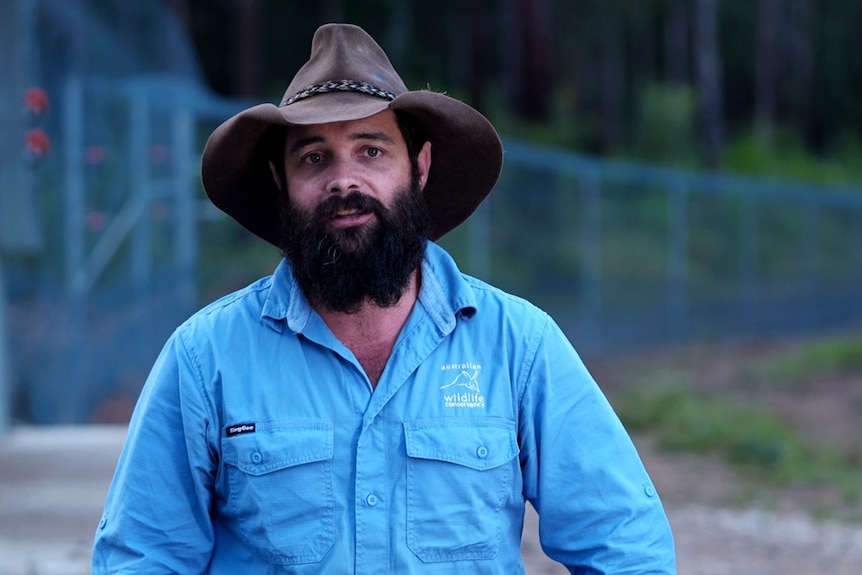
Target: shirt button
[(482, 452), (371, 500), (649, 490), (256, 457)]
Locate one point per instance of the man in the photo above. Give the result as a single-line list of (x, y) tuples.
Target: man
[(368, 408)]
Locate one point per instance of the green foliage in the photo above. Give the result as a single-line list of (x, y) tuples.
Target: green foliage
[(664, 128), (688, 421), (787, 157), (828, 358), (745, 434), (567, 128)]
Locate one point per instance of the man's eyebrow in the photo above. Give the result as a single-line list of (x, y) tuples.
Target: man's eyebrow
[(309, 140), (303, 142), (381, 136)]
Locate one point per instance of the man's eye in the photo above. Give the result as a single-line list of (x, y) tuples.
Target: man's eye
[(314, 158), (372, 152)]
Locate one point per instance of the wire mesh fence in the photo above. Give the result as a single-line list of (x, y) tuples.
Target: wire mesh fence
[(627, 255), (622, 255)]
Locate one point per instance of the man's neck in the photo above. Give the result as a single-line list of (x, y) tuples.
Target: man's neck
[(370, 332)]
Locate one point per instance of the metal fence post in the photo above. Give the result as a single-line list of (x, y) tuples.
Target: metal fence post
[(73, 231), (5, 385), (590, 241), (677, 258), (479, 243), (185, 215), (139, 184), (749, 262), (73, 179), (811, 263)]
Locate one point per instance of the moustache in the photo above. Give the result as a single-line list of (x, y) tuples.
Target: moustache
[(352, 201)]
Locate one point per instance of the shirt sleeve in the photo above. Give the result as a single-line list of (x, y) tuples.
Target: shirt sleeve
[(157, 513), (598, 510)]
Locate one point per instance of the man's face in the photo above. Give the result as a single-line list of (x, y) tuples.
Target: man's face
[(354, 220), (367, 156)]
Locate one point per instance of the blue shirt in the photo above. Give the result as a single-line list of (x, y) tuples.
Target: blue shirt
[(259, 446)]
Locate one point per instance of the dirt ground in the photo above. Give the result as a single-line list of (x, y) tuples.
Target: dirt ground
[(824, 409), (727, 520)]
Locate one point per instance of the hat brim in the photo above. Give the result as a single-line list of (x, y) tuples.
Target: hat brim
[(466, 156)]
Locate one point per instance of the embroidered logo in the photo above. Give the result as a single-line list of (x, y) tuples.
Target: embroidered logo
[(463, 389), (239, 429)]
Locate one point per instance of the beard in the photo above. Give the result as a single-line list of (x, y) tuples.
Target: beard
[(342, 268)]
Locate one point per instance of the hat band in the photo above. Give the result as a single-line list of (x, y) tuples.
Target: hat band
[(339, 86)]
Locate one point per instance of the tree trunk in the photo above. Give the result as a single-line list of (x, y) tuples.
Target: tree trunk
[(530, 73), (800, 69), (613, 78), (181, 9), (709, 80), (333, 11), (642, 44), (766, 52), (677, 47), (399, 32), (248, 48), (477, 68)]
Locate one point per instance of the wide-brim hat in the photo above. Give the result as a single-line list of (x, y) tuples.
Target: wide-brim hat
[(349, 77)]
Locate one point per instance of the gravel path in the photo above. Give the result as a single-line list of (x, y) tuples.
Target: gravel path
[(714, 537), (751, 542), (722, 541)]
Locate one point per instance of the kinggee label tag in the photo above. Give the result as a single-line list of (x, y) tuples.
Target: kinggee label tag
[(239, 429)]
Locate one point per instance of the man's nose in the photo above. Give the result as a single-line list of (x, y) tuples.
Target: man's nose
[(344, 178)]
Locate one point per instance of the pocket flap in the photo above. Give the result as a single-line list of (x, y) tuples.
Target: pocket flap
[(278, 446), (475, 442)]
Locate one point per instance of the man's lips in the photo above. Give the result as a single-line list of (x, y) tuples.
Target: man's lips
[(350, 217)]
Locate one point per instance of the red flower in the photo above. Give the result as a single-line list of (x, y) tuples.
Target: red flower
[(36, 101), (37, 141)]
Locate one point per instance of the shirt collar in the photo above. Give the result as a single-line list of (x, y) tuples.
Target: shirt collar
[(285, 301), (444, 293)]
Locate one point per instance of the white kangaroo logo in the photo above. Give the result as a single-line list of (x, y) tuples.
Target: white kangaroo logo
[(464, 379)]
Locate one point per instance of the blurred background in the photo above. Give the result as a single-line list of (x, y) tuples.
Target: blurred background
[(682, 191), (676, 171)]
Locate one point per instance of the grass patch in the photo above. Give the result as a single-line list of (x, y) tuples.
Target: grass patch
[(746, 435), (828, 358)]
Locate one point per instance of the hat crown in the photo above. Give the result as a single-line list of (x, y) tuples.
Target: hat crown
[(345, 52)]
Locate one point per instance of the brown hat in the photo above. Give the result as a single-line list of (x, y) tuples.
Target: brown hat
[(349, 77)]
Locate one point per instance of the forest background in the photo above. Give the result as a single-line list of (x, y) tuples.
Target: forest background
[(766, 87)]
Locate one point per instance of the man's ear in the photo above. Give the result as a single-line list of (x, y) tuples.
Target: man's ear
[(275, 176), (424, 162)]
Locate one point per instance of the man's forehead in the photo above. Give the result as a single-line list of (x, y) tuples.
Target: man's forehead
[(380, 126)]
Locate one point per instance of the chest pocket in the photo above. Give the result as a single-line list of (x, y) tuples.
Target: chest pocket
[(280, 494), (459, 473)]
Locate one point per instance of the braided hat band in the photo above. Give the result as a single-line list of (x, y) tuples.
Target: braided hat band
[(339, 86)]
